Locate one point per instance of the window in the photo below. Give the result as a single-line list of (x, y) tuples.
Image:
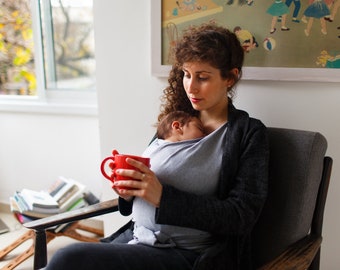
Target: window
[(67, 31), (47, 50)]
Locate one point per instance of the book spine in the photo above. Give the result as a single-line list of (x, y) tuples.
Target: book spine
[(68, 195), (20, 202), (78, 204), (57, 187)]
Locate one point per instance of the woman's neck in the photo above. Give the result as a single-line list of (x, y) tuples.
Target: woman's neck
[(212, 121)]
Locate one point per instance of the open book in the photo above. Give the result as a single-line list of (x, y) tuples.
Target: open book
[(66, 192), (63, 195)]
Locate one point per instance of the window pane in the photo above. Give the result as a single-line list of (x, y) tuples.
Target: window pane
[(17, 74), (68, 42)]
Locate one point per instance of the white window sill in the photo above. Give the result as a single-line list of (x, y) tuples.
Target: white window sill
[(77, 105)]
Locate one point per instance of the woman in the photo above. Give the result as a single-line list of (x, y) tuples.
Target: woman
[(208, 65)]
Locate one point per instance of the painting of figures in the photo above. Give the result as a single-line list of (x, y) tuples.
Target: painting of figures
[(273, 33)]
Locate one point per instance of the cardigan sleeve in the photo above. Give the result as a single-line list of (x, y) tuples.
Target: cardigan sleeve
[(244, 182), (125, 207)]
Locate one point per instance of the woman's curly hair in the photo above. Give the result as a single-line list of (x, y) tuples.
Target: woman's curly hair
[(207, 43)]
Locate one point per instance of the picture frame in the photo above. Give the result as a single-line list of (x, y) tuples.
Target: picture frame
[(159, 69)]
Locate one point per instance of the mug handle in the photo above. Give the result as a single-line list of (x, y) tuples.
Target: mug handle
[(111, 165)]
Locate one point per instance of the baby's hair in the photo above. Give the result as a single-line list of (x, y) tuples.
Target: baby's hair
[(164, 126)]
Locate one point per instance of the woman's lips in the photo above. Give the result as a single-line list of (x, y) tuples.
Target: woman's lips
[(195, 100)]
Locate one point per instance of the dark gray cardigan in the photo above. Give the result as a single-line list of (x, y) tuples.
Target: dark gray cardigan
[(242, 191)]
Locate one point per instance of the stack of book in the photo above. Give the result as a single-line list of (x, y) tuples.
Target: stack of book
[(64, 195)]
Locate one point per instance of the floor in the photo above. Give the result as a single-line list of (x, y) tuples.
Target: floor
[(17, 230)]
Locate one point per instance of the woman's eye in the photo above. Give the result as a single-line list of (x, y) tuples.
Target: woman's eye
[(202, 78)]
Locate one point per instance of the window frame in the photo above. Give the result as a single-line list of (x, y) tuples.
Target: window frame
[(65, 101)]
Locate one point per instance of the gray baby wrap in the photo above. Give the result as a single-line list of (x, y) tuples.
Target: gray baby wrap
[(193, 166)]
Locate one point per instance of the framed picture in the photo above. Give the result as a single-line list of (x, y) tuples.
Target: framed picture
[(277, 47)]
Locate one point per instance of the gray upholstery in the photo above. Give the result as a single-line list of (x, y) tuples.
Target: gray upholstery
[(295, 168)]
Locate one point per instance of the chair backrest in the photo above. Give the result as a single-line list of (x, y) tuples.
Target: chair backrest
[(295, 172)]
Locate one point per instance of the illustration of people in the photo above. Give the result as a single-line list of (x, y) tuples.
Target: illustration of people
[(328, 61), (172, 33), (334, 11), (329, 4), (318, 9), (297, 6), (246, 39), (189, 5), (241, 2), (304, 18), (278, 8)]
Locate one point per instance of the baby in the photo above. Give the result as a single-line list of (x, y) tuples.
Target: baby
[(176, 132), (179, 126)]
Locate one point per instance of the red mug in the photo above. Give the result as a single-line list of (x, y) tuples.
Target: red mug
[(118, 161)]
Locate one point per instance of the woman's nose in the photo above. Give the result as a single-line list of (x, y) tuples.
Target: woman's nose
[(192, 86)]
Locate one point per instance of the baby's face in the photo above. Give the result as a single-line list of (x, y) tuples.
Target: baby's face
[(193, 130)]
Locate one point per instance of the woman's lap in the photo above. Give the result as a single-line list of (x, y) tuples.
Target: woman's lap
[(120, 256)]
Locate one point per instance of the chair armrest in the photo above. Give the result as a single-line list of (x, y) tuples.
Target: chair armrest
[(298, 256), (41, 225), (75, 215)]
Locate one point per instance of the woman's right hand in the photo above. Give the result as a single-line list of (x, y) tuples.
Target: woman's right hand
[(117, 190), (145, 186)]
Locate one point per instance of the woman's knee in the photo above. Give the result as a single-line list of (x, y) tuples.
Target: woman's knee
[(70, 257)]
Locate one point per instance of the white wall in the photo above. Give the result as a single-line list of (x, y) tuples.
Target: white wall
[(128, 101), (36, 148)]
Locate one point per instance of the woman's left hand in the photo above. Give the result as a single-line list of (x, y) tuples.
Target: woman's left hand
[(146, 185)]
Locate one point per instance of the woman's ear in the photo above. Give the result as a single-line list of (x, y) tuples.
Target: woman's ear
[(236, 72), (231, 81)]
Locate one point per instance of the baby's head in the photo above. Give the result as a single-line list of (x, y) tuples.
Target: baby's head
[(179, 126)]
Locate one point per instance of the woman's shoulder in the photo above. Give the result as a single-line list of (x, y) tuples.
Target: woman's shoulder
[(242, 119)]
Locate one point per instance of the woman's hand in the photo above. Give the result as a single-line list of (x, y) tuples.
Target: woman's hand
[(146, 185), (126, 198)]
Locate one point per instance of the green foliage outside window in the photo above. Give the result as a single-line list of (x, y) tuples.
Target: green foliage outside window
[(16, 48)]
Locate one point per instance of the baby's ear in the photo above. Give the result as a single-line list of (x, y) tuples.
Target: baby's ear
[(177, 127)]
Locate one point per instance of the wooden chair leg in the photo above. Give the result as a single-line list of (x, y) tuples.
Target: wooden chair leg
[(75, 229), (29, 235), (26, 236), (72, 231), (40, 238), (40, 258), (316, 262), (19, 259)]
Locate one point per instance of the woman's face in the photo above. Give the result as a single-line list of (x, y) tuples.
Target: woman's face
[(204, 86)]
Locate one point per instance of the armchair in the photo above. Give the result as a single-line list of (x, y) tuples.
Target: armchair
[(288, 233)]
